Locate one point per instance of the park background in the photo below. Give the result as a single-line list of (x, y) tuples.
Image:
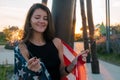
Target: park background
[(12, 16)]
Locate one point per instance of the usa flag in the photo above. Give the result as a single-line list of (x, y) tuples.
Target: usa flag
[(79, 73)]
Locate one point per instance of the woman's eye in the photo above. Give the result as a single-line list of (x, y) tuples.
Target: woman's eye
[(45, 18), (36, 17)]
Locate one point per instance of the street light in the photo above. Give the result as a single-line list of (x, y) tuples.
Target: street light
[(108, 26)]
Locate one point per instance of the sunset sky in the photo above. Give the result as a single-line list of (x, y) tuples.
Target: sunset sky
[(13, 12)]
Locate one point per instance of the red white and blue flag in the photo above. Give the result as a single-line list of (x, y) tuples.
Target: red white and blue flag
[(79, 73)]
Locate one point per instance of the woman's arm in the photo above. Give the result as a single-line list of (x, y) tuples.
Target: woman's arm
[(20, 69), (63, 67), (65, 70)]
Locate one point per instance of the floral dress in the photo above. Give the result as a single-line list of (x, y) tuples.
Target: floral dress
[(21, 72)]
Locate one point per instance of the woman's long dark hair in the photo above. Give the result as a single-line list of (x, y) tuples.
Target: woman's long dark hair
[(49, 33)]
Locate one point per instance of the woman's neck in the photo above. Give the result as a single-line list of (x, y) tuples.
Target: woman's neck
[(38, 39)]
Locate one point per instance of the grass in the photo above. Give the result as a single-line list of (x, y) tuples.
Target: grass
[(6, 72), (111, 58)]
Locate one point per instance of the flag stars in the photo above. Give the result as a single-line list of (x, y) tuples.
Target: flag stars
[(35, 77), (21, 72), (16, 60)]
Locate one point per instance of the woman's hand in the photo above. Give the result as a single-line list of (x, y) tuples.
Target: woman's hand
[(81, 57), (34, 64)]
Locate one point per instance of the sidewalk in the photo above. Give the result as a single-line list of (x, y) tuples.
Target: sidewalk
[(107, 71), (6, 56)]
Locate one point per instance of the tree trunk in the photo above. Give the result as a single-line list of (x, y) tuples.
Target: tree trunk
[(63, 11), (85, 36), (74, 24), (95, 64)]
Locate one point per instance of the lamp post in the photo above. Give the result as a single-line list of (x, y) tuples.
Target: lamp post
[(108, 26)]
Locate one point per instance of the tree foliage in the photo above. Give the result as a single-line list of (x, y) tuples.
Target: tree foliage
[(13, 33)]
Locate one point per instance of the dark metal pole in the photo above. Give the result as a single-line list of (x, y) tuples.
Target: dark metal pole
[(108, 26)]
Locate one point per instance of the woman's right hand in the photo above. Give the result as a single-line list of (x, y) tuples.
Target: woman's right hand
[(81, 57), (34, 64)]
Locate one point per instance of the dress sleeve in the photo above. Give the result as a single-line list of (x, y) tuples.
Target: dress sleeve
[(21, 72)]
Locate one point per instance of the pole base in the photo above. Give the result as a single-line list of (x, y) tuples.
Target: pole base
[(95, 67)]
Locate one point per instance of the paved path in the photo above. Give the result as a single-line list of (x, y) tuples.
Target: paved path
[(6, 56), (107, 71)]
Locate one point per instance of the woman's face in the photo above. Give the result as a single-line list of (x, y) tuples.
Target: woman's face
[(39, 20)]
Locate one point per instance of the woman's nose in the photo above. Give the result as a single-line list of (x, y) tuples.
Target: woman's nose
[(41, 20)]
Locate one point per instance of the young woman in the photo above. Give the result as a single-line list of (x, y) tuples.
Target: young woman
[(40, 49)]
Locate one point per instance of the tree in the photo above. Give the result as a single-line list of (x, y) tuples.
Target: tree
[(2, 38), (63, 11), (13, 33), (7, 33), (73, 26), (102, 29), (95, 64), (85, 36)]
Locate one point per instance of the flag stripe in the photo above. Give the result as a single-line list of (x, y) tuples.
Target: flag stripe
[(68, 54), (79, 73), (67, 62), (69, 48)]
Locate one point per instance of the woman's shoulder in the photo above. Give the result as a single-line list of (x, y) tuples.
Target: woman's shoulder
[(21, 48), (57, 42), (56, 39)]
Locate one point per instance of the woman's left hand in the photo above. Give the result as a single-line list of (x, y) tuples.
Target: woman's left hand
[(82, 57)]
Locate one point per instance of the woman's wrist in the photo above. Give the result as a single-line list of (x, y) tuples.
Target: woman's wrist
[(66, 70), (39, 71), (69, 68), (74, 62)]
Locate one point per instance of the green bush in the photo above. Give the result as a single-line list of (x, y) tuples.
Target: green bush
[(111, 58), (114, 55), (2, 40), (101, 48)]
